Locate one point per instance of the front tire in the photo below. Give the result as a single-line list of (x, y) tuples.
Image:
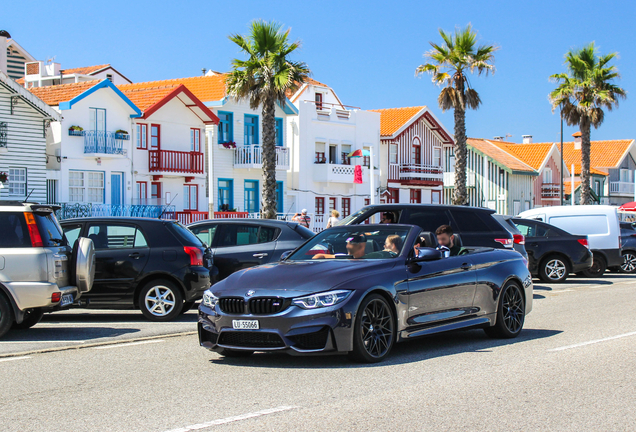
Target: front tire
[(629, 262), (160, 300), (598, 267), (6, 315), (374, 330), (31, 318), (511, 313), (554, 269)]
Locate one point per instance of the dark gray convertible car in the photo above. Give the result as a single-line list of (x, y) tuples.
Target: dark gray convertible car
[(359, 290)]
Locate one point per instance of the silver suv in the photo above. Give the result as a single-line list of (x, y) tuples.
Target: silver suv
[(39, 271)]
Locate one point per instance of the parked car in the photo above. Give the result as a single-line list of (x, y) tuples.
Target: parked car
[(39, 272), (237, 244), (519, 240), (310, 303), (598, 222), (474, 226), (628, 248), (552, 252), (155, 265)]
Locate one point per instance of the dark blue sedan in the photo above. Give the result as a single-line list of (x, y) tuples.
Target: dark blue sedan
[(359, 290)]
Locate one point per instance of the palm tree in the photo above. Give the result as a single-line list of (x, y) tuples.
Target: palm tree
[(449, 65), (582, 94), (264, 78)]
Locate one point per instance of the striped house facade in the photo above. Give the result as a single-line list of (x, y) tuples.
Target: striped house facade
[(16, 58), (24, 125)]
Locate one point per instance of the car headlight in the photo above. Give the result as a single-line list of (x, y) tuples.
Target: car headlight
[(320, 300), (209, 299)]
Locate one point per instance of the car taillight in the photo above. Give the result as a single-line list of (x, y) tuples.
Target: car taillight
[(196, 256), (507, 242), (34, 232), (584, 242), (56, 297), (519, 239)]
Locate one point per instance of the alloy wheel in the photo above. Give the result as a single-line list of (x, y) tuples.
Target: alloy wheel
[(513, 313), (377, 328), (555, 269), (629, 263), (160, 301)]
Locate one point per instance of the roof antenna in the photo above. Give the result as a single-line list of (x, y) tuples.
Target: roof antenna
[(164, 210), (25, 200)]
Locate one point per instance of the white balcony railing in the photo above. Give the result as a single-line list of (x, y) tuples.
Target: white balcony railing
[(251, 156), (550, 190), (421, 172), (621, 188), (339, 173)]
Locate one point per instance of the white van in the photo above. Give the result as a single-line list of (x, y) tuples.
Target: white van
[(599, 223)]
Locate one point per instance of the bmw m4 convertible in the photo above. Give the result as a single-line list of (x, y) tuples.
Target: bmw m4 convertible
[(360, 289)]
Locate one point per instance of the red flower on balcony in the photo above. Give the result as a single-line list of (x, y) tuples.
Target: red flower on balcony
[(229, 144)]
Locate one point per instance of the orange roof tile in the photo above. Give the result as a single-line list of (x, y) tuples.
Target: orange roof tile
[(53, 95), (144, 98), (20, 81), (86, 70), (392, 119), (499, 154), (603, 154), (532, 154), (205, 88)]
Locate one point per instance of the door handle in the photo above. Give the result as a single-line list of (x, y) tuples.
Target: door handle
[(135, 255), (259, 255), (466, 266)]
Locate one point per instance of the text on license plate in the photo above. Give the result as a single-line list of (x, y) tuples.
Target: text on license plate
[(245, 324), (67, 299)]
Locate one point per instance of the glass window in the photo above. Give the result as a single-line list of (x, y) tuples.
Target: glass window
[(528, 229), (14, 232), (96, 187), (226, 195), (86, 186), (116, 236), (429, 220), (251, 130), (416, 152), (50, 230), (279, 132), (205, 233), (76, 186), (279, 197), (226, 133), (468, 221), (437, 157), (195, 140), (393, 153), (547, 175), (346, 207), (142, 136), (191, 197), (333, 204), (318, 98), (155, 139), (186, 236), (72, 233), (241, 235), (320, 205), (17, 181), (251, 196)]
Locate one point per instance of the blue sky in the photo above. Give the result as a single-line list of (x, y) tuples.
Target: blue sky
[(366, 50)]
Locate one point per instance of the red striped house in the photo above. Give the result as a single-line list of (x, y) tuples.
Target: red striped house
[(411, 157)]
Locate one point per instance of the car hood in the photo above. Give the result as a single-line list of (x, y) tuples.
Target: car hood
[(290, 279)]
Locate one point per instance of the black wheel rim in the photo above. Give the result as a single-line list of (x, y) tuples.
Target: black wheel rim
[(513, 309), (377, 328), (596, 267), (629, 264)]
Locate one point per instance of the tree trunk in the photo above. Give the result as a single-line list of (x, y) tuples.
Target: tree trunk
[(586, 192), (460, 195), (268, 149)]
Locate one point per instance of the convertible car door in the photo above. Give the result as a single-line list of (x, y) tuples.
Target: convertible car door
[(440, 290)]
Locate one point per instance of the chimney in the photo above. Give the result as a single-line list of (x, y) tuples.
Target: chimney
[(498, 138), (4, 35), (577, 140), (203, 71), (527, 139)]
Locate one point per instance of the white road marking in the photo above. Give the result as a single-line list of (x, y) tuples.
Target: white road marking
[(233, 419), (592, 342), (119, 345), (14, 358)]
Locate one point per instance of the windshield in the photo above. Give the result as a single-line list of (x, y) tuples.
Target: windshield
[(357, 242), (351, 217)]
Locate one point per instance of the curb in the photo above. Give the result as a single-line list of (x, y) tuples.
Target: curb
[(95, 344)]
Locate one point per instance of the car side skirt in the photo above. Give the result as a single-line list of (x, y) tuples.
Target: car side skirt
[(414, 332)]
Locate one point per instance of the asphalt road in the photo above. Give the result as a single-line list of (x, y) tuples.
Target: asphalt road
[(572, 368)]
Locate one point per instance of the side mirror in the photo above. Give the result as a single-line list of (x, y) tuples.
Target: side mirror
[(285, 254), (427, 254)]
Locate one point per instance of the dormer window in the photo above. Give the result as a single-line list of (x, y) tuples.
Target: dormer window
[(109, 77), (319, 101)]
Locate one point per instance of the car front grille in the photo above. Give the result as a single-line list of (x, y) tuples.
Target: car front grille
[(309, 341), (232, 305), (249, 339), (267, 305)]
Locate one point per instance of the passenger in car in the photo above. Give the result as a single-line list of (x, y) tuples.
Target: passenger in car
[(393, 243), (445, 238), (388, 218)]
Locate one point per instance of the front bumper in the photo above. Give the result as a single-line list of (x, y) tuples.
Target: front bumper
[(295, 330)]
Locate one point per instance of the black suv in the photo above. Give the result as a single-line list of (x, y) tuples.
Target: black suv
[(155, 265), (474, 225)]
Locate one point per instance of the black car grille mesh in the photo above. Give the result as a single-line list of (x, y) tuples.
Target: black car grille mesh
[(248, 339), (308, 341), (232, 305), (267, 305)]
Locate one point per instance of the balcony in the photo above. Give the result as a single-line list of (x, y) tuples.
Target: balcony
[(339, 173), (175, 162), (103, 143), (416, 174), (449, 179), (622, 188), (327, 111), (251, 156), (550, 190)]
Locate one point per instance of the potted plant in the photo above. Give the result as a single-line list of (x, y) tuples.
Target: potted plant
[(76, 131), (122, 134), (229, 144), (4, 177)]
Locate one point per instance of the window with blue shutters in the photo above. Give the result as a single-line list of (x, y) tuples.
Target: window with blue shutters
[(251, 196), (279, 132), (251, 130), (279, 197), (226, 194), (226, 134)]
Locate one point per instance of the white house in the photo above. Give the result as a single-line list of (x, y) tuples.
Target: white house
[(16, 56), (24, 126), (39, 74), (321, 136)]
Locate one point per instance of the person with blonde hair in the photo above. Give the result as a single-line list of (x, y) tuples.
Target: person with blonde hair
[(334, 219)]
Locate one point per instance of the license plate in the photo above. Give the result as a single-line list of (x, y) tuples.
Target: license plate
[(67, 299), (245, 324)]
